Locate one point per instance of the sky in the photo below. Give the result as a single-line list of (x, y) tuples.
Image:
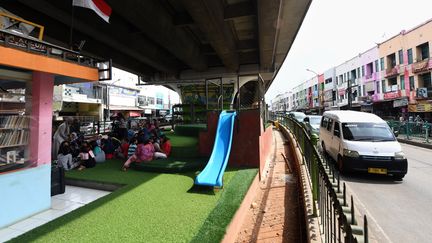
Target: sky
[(335, 31)]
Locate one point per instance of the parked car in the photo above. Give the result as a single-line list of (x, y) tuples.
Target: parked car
[(360, 141), (135, 122), (299, 116), (312, 124), (168, 118), (87, 128)]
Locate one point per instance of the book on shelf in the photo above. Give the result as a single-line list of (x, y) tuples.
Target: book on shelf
[(14, 122), (14, 137)]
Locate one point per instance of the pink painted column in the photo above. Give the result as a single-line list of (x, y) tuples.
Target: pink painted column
[(41, 118)]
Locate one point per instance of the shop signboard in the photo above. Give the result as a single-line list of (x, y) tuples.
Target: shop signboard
[(369, 87), (421, 107), (421, 66), (400, 103), (391, 72), (129, 92), (366, 99), (424, 92), (392, 95)]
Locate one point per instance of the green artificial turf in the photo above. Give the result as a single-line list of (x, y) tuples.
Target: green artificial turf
[(150, 207), (214, 226), (183, 146), (192, 130), (182, 141), (172, 165)]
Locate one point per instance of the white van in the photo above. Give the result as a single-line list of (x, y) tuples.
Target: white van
[(360, 141)]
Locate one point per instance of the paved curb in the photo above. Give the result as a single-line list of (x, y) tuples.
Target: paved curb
[(313, 228), (104, 186), (423, 145)]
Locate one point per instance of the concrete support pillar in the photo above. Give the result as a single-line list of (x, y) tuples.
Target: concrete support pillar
[(41, 118)]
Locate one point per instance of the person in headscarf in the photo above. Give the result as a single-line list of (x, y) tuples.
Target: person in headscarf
[(60, 135)]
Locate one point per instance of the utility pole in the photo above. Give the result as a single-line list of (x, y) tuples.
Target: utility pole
[(349, 94)]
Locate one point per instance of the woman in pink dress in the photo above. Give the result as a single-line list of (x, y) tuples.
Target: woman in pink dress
[(143, 153)]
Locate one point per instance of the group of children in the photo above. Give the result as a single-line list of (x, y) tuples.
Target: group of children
[(146, 145), (79, 154)]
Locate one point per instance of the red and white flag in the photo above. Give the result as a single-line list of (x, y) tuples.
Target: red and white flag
[(99, 6)]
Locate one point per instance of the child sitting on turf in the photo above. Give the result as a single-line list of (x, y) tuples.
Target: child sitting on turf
[(165, 145), (132, 147), (144, 153), (64, 157), (122, 150), (98, 152), (87, 157), (158, 153)]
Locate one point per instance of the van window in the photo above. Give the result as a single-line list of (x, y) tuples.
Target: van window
[(366, 131), (324, 122), (336, 130), (329, 124)]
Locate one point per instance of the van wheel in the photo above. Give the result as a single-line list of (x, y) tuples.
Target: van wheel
[(398, 177), (340, 165)]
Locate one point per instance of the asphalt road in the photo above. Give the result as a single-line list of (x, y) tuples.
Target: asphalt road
[(397, 211)]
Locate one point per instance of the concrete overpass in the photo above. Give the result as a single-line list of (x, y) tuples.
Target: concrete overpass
[(175, 41)]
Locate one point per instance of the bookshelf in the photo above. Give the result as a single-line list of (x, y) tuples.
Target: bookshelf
[(14, 130)]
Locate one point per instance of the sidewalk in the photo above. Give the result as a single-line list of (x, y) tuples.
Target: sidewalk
[(275, 214), (420, 142), (61, 204)]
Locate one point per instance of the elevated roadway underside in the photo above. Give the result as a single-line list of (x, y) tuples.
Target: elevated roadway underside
[(167, 41)]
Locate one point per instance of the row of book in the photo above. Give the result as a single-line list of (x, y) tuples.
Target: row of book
[(11, 157), (14, 137), (14, 122)]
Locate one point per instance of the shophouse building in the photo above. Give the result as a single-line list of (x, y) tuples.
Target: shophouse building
[(282, 102), (329, 92), (348, 78), (369, 62), (312, 87), (406, 78), (78, 100), (390, 79), (390, 99), (417, 84), (320, 93), (300, 102)]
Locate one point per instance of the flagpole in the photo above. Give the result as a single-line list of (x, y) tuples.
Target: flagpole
[(71, 27)]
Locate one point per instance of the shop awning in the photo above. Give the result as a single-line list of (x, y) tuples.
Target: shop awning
[(134, 114), (124, 108)]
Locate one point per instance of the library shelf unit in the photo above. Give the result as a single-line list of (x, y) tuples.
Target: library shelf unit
[(14, 130)]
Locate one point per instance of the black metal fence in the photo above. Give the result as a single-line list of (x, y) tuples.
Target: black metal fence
[(336, 215)]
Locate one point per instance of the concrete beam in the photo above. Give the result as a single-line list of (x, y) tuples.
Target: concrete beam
[(247, 45), (238, 10), (182, 20), (209, 17), (152, 19), (268, 11)]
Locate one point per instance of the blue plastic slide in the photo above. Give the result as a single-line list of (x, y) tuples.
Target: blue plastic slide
[(215, 168)]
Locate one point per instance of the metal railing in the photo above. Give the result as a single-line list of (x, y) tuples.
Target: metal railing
[(37, 46), (336, 215), (411, 130)]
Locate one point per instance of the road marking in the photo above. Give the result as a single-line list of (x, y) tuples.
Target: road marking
[(368, 214)]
